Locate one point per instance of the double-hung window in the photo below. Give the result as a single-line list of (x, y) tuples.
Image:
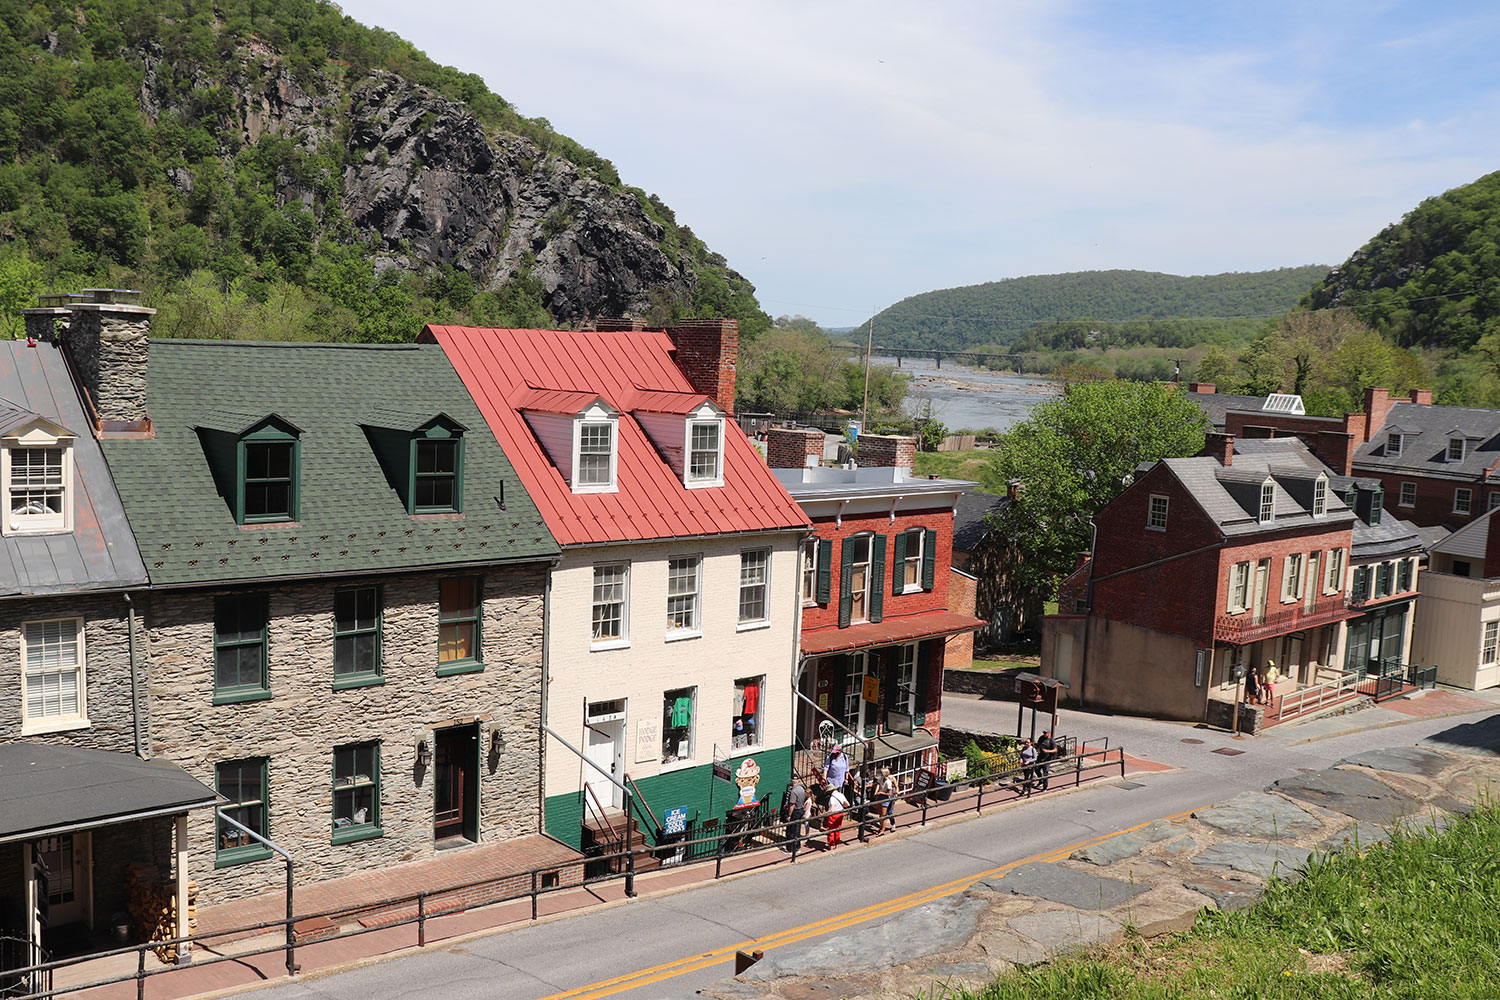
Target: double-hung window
[(1405, 572), (755, 571), (1239, 587), (435, 477), (458, 626), (356, 637), (705, 450), (1320, 496), (243, 783), (1291, 581), (1463, 500), (809, 571), (1156, 516), (36, 482), (356, 792), (1393, 445), (270, 480), (913, 543), (611, 589), (1456, 447), (1267, 502), (241, 661), (858, 584), (1491, 639), (683, 580), (1335, 580), (596, 455), (52, 675), (1408, 496), (906, 679)]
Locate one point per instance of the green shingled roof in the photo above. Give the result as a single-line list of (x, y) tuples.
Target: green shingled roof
[(351, 519)]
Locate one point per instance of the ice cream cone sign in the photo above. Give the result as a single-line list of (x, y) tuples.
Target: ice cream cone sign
[(747, 777)]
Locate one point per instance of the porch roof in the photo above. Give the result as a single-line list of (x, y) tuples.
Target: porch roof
[(46, 790), (924, 625)]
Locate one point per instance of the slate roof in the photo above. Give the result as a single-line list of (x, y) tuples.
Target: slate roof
[(970, 524), (1216, 404), (99, 553), (501, 369), (1426, 429), (52, 788), (352, 519), (1230, 496)]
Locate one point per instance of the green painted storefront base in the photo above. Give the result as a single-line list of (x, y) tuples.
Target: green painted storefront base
[(694, 789)]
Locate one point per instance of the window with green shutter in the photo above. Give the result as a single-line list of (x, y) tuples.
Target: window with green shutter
[(825, 570), (929, 559), (877, 578)]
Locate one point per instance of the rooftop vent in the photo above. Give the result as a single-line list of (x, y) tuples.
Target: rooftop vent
[(1283, 402)]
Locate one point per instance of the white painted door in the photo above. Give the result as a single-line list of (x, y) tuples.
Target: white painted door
[(605, 740)]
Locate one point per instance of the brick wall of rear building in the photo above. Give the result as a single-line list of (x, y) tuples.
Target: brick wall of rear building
[(1334, 440), (794, 447), (887, 451), (826, 615), (963, 591), (1434, 501)]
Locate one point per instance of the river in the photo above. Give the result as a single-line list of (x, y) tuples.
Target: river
[(972, 398)]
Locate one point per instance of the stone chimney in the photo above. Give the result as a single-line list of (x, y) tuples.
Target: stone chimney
[(1377, 406), (1220, 447), (1203, 387), (107, 338), (885, 451), (794, 448), (707, 352), (1422, 397)]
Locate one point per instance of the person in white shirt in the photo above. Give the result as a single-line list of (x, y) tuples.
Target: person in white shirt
[(835, 818)]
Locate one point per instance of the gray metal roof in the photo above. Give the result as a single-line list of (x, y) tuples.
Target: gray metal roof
[(1424, 446), (970, 518), (832, 483), (1231, 495), (45, 788), (99, 553)]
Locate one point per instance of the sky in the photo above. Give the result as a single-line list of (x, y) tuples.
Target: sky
[(846, 155)]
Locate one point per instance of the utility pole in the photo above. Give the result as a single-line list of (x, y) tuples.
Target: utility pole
[(864, 413)]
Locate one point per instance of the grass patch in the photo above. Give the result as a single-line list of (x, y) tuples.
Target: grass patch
[(978, 465), (1412, 919), (1031, 664)]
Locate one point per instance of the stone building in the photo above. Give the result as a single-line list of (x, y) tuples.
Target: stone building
[(343, 634), (672, 625), (78, 803)]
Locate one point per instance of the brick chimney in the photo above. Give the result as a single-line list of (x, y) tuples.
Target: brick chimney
[(794, 448), (1203, 387), (707, 352), (1422, 397), (885, 451), (107, 338), (1377, 406), (620, 324), (1219, 446)]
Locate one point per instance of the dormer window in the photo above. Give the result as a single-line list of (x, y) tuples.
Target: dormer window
[(1456, 449), (580, 432), (595, 466), (268, 475), (437, 469), (1320, 496), (1267, 502), (36, 479), (705, 466), (1393, 445)]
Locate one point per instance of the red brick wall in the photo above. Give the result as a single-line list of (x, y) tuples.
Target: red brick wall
[(1434, 498), (1277, 548), (963, 592), (707, 351), (1123, 538), (887, 451), (791, 447), (941, 521), (1334, 441)]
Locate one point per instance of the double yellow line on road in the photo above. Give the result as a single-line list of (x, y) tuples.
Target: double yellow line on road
[(885, 908)]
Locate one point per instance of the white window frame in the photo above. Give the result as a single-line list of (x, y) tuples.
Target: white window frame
[(690, 479), (1291, 577), (692, 728), (1239, 585), (623, 639), (60, 721), (593, 419), (865, 596), (1333, 582), (1463, 500), (1320, 496), (1408, 495), (1492, 501), (911, 560), (1156, 515), (36, 438), (694, 624), (1462, 449), (1393, 445), (810, 572), (1267, 502), (1489, 641), (906, 679), (763, 585), (854, 693)]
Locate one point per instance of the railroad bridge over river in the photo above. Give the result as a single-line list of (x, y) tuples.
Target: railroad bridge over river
[(977, 357)]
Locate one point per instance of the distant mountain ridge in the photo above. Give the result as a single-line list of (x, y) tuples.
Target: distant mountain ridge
[(997, 312)]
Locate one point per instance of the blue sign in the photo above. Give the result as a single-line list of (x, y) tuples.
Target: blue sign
[(676, 821)]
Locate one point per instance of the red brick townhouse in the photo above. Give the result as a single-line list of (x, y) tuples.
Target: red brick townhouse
[(1204, 564), (879, 596)]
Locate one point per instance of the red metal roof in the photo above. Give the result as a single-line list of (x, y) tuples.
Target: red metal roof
[(663, 401), (923, 625), (500, 367), (567, 401)]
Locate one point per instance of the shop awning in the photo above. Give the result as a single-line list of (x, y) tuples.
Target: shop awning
[(909, 628), (46, 790), (894, 745)]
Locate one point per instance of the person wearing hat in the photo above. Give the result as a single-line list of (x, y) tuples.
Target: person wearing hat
[(835, 768)]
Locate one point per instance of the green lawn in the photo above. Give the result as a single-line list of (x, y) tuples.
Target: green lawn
[(976, 465), (1004, 664), (1414, 919)]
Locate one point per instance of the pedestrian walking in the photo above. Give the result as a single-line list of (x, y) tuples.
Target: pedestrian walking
[(888, 790), (1252, 686), (1047, 751), (794, 813), (835, 818), (1028, 767)]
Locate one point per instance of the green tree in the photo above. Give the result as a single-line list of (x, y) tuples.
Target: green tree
[(1073, 455), (20, 282)]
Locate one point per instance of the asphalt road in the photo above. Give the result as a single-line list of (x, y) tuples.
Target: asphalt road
[(669, 946)]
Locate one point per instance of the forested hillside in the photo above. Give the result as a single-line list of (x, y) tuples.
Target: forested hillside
[(273, 169), (999, 311)]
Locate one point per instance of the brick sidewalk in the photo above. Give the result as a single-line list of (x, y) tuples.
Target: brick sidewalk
[(466, 865), (1437, 703)]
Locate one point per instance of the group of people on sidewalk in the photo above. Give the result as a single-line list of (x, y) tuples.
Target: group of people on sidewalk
[(836, 791), (1260, 685), (1036, 762)]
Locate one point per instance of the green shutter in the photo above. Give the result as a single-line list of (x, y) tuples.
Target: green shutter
[(846, 569), (898, 577), (923, 661), (877, 568), (825, 570), (929, 559)]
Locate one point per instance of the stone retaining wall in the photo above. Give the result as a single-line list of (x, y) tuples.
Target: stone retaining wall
[(998, 684)]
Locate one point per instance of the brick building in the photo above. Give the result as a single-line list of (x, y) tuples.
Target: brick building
[(1204, 565), (880, 601)]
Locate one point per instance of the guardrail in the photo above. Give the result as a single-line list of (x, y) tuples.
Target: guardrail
[(1311, 699), (1421, 678), (418, 910)]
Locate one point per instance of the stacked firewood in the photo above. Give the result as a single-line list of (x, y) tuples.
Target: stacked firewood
[(152, 901)]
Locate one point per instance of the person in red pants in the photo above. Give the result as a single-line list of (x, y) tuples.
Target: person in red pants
[(835, 818)]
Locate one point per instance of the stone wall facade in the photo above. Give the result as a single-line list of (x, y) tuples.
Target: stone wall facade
[(297, 728)]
